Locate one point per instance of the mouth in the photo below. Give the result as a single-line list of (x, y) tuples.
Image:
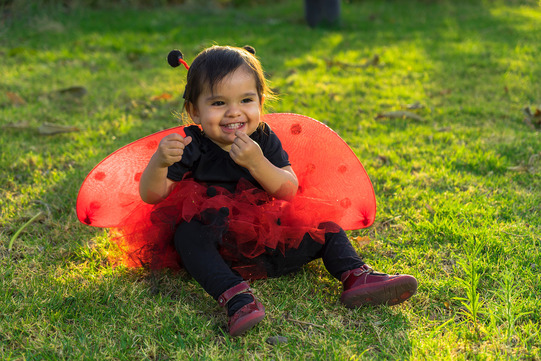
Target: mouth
[(232, 127)]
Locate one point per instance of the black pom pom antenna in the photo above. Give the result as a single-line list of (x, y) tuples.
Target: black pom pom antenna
[(249, 49), (175, 58)]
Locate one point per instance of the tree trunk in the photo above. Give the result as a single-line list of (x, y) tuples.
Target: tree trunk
[(322, 12)]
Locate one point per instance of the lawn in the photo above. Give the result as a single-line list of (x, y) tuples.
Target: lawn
[(439, 99)]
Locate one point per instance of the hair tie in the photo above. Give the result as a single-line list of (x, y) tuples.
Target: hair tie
[(175, 58)]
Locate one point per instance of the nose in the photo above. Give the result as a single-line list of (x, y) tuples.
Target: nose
[(233, 111)]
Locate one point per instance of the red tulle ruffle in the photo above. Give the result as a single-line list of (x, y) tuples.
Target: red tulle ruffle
[(257, 223)]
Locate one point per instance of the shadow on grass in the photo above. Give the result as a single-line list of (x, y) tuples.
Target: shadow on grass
[(107, 48), (444, 33)]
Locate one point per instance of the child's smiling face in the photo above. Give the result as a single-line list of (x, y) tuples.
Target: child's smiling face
[(233, 105)]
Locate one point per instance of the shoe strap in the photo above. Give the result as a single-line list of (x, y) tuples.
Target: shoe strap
[(356, 272), (232, 292)]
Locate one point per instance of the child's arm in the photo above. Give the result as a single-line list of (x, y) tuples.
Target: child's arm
[(154, 185), (279, 182)]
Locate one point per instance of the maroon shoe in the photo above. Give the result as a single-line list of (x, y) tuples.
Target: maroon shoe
[(363, 286), (248, 315)]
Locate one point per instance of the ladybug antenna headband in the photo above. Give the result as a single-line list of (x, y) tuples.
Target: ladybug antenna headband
[(175, 58)]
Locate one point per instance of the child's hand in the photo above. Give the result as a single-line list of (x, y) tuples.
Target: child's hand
[(245, 152), (171, 149)]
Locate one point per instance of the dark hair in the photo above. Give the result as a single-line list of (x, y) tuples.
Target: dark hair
[(213, 64)]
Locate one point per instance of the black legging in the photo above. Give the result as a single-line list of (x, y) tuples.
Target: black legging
[(198, 244)]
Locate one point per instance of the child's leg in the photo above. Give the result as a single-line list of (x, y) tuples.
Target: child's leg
[(361, 284), (197, 244), (337, 253)]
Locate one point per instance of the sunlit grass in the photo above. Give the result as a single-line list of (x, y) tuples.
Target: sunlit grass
[(467, 168)]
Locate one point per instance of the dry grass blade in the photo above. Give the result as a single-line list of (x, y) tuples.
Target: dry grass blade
[(50, 129), (25, 124), (15, 99), (74, 91), (362, 241), (304, 323), (374, 61), (399, 114)]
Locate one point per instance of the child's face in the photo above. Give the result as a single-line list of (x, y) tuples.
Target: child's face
[(233, 106)]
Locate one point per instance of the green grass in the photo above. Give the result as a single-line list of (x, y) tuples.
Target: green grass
[(459, 191)]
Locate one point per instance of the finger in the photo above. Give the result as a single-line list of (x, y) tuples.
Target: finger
[(187, 140), (235, 150), (233, 153), (177, 151), (174, 146), (242, 136), (174, 136), (177, 138), (237, 143), (172, 140), (173, 152)]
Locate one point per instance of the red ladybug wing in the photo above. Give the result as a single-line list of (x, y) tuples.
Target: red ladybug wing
[(327, 169), (111, 190)]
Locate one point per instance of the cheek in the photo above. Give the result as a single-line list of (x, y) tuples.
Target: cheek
[(256, 109)]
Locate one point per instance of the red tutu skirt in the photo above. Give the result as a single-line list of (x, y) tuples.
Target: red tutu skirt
[(257, 223)]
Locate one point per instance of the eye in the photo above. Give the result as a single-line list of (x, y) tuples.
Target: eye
[(247, 100), (217, 103)]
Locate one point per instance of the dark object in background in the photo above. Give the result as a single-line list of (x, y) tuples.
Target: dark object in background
[(322, 12)]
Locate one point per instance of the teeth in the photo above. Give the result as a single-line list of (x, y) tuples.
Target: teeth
[(233, 125)]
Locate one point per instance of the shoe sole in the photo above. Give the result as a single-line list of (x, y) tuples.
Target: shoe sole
[(391, 292), (246, 323)]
